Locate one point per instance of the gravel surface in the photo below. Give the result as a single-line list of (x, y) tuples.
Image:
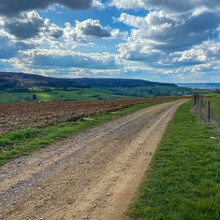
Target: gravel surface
[(92, 175)]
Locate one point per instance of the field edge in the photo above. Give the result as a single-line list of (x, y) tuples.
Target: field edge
[(19, 143)]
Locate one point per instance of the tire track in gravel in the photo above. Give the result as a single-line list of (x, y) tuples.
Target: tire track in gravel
[(92, 175)]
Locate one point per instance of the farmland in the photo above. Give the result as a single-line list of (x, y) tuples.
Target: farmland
[(74, 94), (84, 94), (16, 116), (20, 87)]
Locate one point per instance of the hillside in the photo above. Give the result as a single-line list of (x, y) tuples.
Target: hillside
[(21, 87), (22, 80)]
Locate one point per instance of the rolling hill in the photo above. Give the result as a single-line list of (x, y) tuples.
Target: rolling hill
[(22, 80), (20, 87)]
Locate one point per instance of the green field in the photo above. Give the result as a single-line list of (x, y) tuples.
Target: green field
[(183, 181), (21, 87), (60, 95), (78, 94)]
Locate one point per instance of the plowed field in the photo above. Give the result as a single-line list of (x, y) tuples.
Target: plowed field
[(16, 116)]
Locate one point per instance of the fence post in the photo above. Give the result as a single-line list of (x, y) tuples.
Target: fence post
[(194, 100), (209, 112)]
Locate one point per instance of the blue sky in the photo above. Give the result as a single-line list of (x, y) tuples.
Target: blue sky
[(166, 41)]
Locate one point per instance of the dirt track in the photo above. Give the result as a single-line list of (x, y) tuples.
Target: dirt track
[(93, 175)]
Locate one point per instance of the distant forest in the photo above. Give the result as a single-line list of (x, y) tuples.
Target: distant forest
[(22, 81)]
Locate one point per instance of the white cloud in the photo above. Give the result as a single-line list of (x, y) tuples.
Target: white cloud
[(132, 20), (161, 33), (170, 5), (174, 39), (178, 39), (72, 37), (98, 4), (30, 30), (92, 28), (38, 58), (115, 33), (206, 52), (52, 29), (14, 7), (28, 25)]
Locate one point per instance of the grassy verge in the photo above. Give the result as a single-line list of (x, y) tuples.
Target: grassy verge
[(215, 106), (16, 144), (183, 180)]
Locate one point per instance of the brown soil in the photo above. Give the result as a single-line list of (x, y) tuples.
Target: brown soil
[(16, 116), (92, 175)]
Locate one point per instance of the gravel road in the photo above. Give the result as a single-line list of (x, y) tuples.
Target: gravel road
[(92, 175)]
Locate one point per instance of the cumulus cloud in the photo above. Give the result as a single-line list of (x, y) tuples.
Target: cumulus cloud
[(28, 25), (160, 33), (29, 30), (52, 29), (14, 7), (72, 36), (115, 33), (171, 5), (208, 51), (177, 38), (66, 59), (92, 28), (174, 37), (98, 4)]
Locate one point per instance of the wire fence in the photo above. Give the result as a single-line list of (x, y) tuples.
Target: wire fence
[(202, 107)]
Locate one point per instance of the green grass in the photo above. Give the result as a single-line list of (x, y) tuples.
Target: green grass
[(151, 91), (18, 143), (215, 106), (183, 180), (58, 94)]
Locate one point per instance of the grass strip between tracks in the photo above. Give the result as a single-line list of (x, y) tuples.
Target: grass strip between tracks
[(183, 180), (22, 142)]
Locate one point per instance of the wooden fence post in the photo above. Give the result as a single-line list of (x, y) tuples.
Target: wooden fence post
[(209, 112), (194, 100)]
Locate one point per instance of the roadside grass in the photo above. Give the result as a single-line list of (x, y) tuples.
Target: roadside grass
[(183, 181), (215, 106), (22, 142)]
